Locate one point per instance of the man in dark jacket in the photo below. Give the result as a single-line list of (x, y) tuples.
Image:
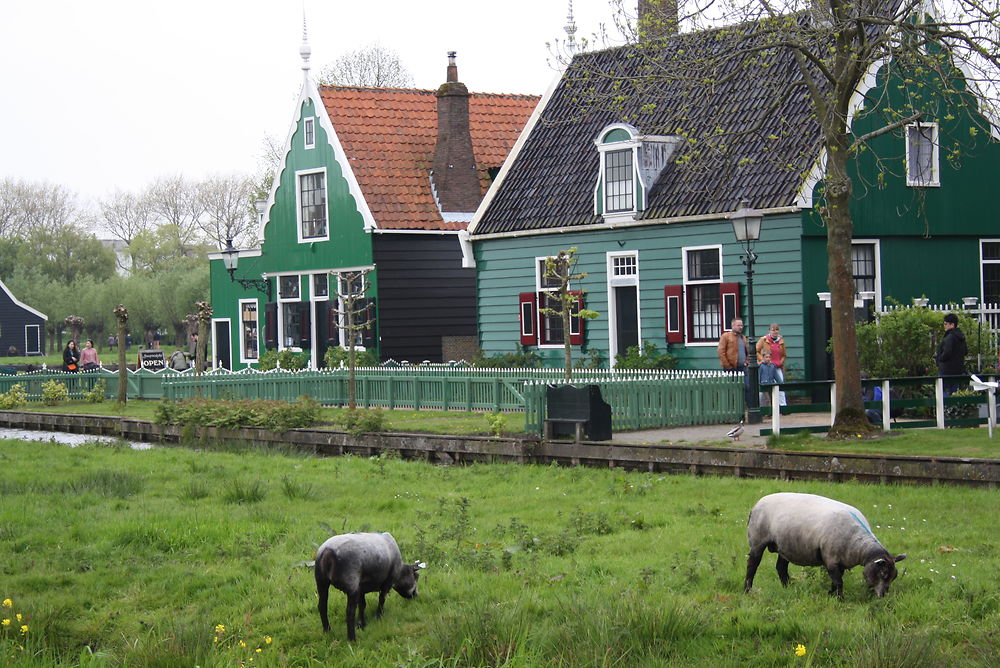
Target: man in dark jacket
[(951, 352)]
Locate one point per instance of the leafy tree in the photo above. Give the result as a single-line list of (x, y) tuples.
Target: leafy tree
[(820, 52), (370, 66), (563, 301)]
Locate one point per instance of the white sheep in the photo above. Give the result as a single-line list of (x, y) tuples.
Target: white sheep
[(811, 530)]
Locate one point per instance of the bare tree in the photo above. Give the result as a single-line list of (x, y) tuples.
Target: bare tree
[(370, 66), (563, 301), (354, 319), (126, 215), (228, 203), (12, 194), (176, 201), (942, 67)]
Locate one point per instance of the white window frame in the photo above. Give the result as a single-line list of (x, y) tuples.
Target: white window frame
[(39, 339), (982, 265), (282, 298), (935, 180), (243, 357), (685, 322), (309, 132), (617, 281), (600, 190), (878, 267), (298, 205), (539, 273), (312, 287)]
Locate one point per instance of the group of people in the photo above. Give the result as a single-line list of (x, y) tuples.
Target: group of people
[(86, 358), (734, 351)]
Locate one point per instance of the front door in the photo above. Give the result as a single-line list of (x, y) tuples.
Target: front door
[(626, 319), (222, 345)]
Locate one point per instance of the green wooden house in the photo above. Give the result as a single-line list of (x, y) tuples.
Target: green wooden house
[(378, 179), (651, 225)]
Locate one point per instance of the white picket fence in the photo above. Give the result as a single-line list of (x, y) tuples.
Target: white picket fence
[(988, 314)]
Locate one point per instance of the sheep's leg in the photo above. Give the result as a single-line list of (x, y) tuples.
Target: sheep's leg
[(753, 561), (352, 605), (782, 568), (323, 589), (837, 581), (381, 599), (362, 621)]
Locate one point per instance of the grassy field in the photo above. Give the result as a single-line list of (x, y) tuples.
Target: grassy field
[(183, 557)]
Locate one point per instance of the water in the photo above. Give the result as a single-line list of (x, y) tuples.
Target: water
[(66, 438)]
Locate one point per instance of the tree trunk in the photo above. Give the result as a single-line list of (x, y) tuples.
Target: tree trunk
[(567, 346), (850, 414), (121, 315)]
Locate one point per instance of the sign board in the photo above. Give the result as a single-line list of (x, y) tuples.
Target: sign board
[(154, 360)]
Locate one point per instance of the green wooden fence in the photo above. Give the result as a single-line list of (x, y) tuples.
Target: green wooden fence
[(142, 384)]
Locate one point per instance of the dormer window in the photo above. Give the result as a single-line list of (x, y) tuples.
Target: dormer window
[(630, 165), (922, 154), (309, 133)]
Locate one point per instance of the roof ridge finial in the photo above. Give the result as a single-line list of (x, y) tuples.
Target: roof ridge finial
[(570, 29), (305, 50)]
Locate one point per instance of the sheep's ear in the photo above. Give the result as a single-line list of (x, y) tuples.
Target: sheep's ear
[(900, 558), (420, 564)]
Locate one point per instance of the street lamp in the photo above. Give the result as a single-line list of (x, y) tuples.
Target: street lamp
[(231, 260), (746, 226)]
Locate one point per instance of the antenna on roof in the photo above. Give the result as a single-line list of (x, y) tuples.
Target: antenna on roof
[(305, 51), (570, 29)]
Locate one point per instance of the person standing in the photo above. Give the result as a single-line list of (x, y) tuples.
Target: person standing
[(950, 356), (88, 356), (734, 352), (71, 357), (773, 343)]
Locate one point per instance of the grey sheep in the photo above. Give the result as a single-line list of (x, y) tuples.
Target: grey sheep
[(811, 530), (359, 563)]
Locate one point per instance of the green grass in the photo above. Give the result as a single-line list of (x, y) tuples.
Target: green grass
[(919, 442), (122, 558)]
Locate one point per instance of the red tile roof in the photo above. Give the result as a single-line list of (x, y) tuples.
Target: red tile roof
[(389, 136)]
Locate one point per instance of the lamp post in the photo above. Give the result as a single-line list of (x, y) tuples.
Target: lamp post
[(746, 225), (231, 260)]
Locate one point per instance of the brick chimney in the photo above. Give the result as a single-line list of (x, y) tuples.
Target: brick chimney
[(657, 18), (453, 172)]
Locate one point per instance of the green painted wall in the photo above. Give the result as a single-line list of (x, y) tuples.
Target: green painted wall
[(349, 245), (505, 268)]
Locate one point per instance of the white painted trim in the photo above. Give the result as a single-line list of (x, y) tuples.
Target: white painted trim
[(39, 338), (20, 303), (536, 114), (618, 282), (285, 300), (982, 286), (312, 286), (298, 205), (256, 303), (685, 283), (306, 123), (215, 357), (877, 243), (438, 232)]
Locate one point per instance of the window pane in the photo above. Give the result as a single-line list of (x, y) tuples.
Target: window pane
[(248, 321), (321, 285), (921, 153), (863, 267), (624, 265), (703, 265), (552, 325), (312, 197), (546, 281), (292, 320), (704, 312), (991, 283), (288, 287), (310, 137), (991, 250), (618, 181)]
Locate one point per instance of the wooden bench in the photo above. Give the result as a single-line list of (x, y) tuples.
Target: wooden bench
[(578, 424)]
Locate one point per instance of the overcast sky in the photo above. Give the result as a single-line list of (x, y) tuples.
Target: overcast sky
[(110, 94)]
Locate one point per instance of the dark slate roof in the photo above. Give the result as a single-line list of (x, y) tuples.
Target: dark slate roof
[(761, 156)]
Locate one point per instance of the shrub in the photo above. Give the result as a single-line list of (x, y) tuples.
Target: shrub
[(648, 357), (54, 392), (496, 422), (522, 358), (97, 393), (359, 420), (231, 414), (288, 359), (335, 355), (15, 397)]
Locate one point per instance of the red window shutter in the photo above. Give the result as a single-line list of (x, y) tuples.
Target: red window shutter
[(576, 322), (305, 323), (528, 319), (673, 302), (729, 298)]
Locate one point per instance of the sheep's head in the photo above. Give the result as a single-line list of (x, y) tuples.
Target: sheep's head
[(406, 579), (880, 573)]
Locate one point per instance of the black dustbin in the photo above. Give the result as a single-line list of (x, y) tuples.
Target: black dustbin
[(572, 405)]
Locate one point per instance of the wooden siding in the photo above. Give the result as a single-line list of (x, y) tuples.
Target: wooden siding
[(506, 268), (13, 320), (424, 294)]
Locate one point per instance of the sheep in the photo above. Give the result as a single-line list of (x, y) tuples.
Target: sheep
[(359, 563), (811, 530)]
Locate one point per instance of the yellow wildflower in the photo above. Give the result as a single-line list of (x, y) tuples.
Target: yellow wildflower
[(18, 616), (242, 644), (7, 603), (267, 640), (800, 650), (24, 628), (215, 639), (6, 622), (258, 650), (220, 628)]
